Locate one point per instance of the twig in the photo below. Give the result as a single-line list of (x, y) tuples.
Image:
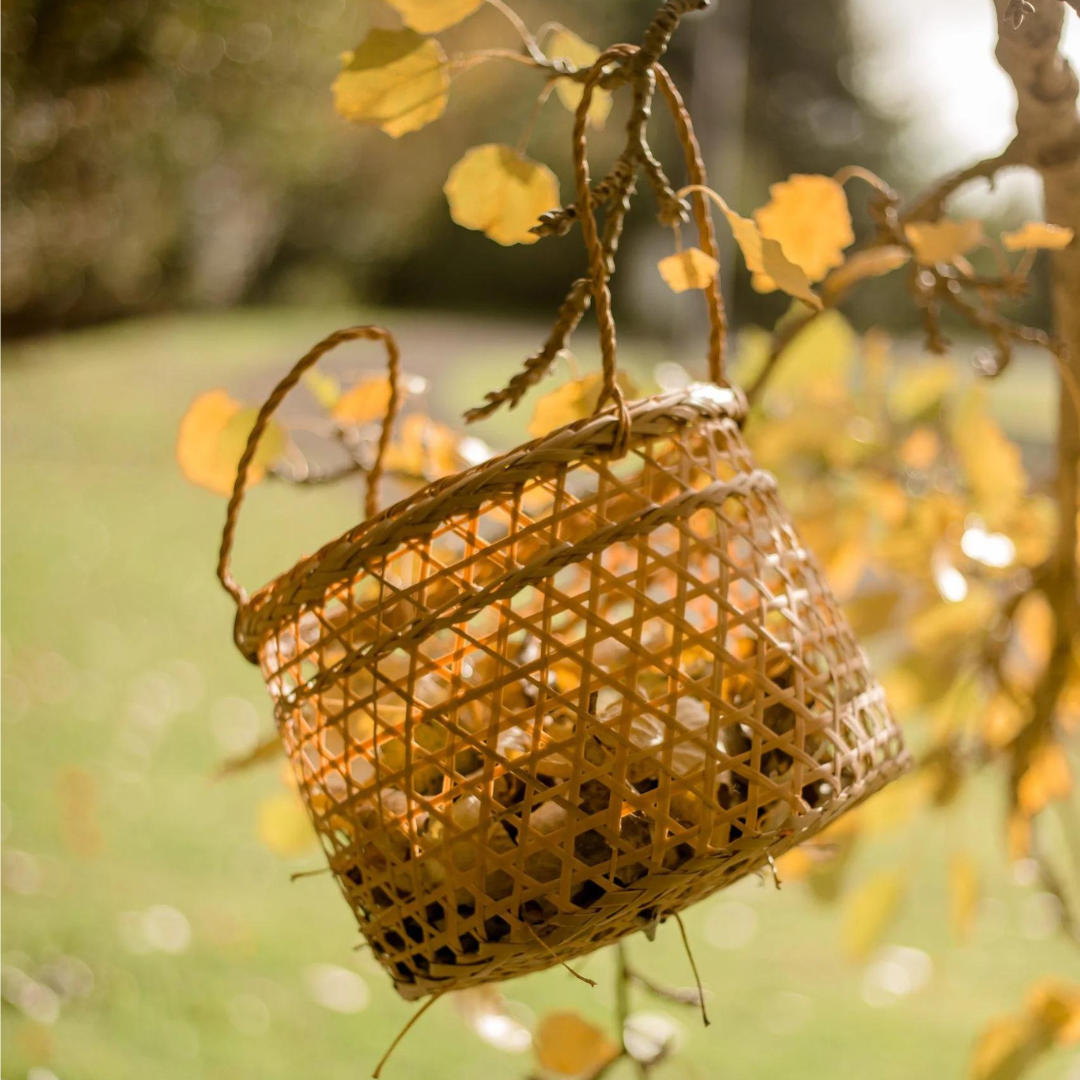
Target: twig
[(551, 952), (532, 47), (930, 205), (693, 968), (677, 995), (402, 1033)]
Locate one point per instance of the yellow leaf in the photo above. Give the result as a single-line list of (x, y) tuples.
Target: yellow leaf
[(284, 826), (808, 217), (869, 912), (845, 566), (324, 388), (872, 262), (991, 463), (1046, 779), (213, 434), (395, 80), (1001, 721), (1037, 234), (1033, 528), (574, 400), (1055, 1006), (1011, 1045), (942, 241), (569, 1045), (920, 450), (689, 269), (424, 448), (1018, 836), (365, 401), (944, 623), (1033, 640), (1005, 1050), (920, 389), (769, 267), (963, 894), (431, 16), (893, 807), (566, 45), (497, 191), (818, 363)]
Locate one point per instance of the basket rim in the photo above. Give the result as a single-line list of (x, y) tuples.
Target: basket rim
[(424, 510)]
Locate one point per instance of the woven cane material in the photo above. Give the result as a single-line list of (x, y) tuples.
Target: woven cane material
[(559, 697)]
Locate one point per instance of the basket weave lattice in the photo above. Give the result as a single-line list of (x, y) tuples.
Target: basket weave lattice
[(554, 699)]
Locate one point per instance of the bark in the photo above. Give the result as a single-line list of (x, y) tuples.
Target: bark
[(1048, 128)]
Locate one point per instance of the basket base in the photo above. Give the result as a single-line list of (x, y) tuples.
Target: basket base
[(650, 901)]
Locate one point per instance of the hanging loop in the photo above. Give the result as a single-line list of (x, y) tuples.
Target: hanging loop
[(280, 392)]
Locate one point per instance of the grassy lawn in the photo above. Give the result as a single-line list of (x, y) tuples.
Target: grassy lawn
[(122, 693)]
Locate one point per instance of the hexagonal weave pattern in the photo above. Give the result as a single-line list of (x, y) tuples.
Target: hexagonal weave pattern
[(554, 699)]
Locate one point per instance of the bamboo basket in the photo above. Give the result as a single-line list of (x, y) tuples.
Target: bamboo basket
[(555, 699)]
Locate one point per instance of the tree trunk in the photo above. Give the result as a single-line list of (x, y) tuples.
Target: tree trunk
[(1048, 127)]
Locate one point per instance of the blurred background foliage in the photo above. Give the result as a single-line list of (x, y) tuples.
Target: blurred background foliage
[(185, 154)]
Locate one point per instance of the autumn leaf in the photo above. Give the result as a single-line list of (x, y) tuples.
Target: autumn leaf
[(942, 241), (689, 269), (570, 1045), (963, 894), (947, 622), (870, 910), (431, 16), (1011, 1045), (213, 434), (1032, 643), (566, 45), (284, 826), (872, 262), (574, 400), (365, 401), (920, 450), (1046, 779), (325, 389), (500, 193), (991, 464), (819, 361), (765, 259), (424, 448), (1037, 234), (808, 217), (920, 390), (395, 80)]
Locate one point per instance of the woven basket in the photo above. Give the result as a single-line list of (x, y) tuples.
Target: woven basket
[(557, 698), (550, 701)]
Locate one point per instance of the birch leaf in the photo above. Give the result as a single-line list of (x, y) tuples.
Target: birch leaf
[(395, 80), (1037, 234), (431, 16), (566, 45), (808, 217), (500, 193), (689, 269)]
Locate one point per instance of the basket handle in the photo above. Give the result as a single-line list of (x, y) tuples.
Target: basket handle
[(598, 270), (280, 392)]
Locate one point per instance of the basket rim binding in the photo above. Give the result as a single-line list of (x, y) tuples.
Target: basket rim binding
[(420, 513)]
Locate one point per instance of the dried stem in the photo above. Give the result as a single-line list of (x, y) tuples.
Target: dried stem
[(614, 193)]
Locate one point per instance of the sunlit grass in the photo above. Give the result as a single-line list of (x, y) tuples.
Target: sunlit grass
[(122, 693)]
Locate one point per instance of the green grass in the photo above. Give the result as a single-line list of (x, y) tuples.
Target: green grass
[(117, 657)]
